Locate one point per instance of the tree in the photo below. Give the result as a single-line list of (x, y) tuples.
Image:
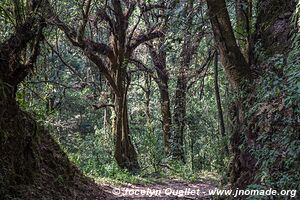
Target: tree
[(17, 129), (237, 69), (174, 131), (218, 101), (160, 74), (240, 73), (189, 49), (112, 60), (232, 58)]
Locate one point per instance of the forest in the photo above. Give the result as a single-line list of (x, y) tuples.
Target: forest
[(149, 99)]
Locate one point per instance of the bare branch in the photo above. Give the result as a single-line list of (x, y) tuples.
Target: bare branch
[(202, 71), (101, 13), (118, 11), (76, 40), (130, 10), (134, 28), (140, 65), (89, 48), (147, 8)]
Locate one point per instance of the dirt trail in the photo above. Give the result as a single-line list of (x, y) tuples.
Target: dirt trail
[(168, 190)]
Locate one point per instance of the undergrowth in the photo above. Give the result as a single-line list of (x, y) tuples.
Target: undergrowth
[(273, 114)]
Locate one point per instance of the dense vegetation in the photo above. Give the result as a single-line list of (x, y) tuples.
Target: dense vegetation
[(141, 91)]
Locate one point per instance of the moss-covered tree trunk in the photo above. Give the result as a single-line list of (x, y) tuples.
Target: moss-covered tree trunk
[(166, 113), (219, 104), (179, 116)]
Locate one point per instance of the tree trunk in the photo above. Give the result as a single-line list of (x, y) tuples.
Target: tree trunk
[(159, 59), (273, 26), (219, 104), (166, 113), (232, 58), (179, 117), (187, 52), (147, 90), (239, 74), (125, 153)]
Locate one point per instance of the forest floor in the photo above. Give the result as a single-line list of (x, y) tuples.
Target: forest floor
[(169, 189)]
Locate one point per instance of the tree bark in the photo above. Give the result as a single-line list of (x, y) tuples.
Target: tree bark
[(166, 114), (147, 90), (125, 153), (239, 75), (273, 26)]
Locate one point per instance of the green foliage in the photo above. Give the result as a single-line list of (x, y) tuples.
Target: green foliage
[(203, 132), (274, 116), (63, 91), (85, 134)]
